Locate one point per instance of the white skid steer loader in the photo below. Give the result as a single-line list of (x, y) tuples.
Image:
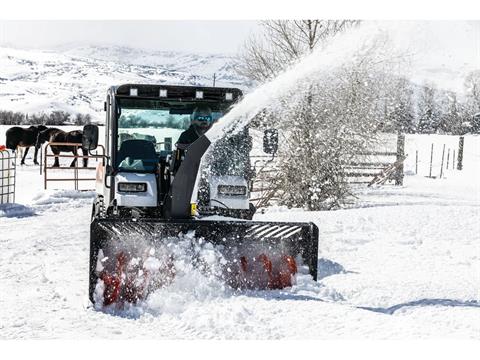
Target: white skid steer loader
[(147, 200)]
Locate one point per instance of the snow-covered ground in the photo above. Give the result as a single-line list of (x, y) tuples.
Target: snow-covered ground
[(403, 263)]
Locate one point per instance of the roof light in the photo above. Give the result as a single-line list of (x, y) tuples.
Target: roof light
[(163, 93), (133, 92), (199, 94), (229, 96)]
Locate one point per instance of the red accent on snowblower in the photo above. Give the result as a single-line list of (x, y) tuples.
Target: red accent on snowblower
[(287, 268), (280, 273), (131, 284), (113, 282)]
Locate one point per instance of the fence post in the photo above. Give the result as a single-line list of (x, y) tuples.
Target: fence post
[(443, 157), (448, 157), (416, 162), (400, 158), (14, 163), (41, 158), (460, 153), (45, 166), (431, 160)]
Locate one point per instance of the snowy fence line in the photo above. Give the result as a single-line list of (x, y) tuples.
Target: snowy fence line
[(7, 176), (370, 167), (439, 162)]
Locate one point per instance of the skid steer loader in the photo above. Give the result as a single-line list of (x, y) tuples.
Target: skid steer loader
[(146, 203)]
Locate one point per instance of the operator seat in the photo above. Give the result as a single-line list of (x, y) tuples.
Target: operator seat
[(137, 155)]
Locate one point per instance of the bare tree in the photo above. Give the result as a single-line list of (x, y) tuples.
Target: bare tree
[(328, 119), (283, 42)]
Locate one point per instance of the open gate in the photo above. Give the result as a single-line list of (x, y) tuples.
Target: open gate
[(76, 178)]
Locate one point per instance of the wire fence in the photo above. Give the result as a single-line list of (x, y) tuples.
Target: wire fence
[(439, 158)]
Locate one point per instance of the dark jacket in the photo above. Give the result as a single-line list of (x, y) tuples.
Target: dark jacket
[(188, 136)]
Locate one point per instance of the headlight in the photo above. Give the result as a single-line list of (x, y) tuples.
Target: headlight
[(232, 190), (132, 187)]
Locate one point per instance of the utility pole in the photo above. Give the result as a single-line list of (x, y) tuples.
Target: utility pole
[(214, 78)]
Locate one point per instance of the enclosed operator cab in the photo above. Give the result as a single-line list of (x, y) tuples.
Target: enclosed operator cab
[(142, 128)]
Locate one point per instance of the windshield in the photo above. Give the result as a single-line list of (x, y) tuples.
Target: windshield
[(157, 126), (147, 131)]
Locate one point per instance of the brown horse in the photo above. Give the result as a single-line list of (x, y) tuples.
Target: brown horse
[(24, 137), (55, 135)]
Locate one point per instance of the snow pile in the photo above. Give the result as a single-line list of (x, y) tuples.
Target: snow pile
[(177, 271), (57, 200), (15, 210), (201, 275)]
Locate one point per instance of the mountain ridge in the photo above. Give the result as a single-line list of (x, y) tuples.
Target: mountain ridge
[(75, 79)]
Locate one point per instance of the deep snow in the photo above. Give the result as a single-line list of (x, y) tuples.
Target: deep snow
[(404, 262)]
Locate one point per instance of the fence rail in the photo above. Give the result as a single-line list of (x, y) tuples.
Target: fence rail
[(366, 167), (76, 179)]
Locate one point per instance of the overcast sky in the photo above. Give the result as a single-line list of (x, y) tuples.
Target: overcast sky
[(198, 36)]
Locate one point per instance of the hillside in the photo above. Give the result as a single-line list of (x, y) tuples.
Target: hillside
[(75, 79)]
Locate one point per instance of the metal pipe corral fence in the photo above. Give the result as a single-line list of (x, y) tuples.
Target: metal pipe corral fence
[(76, 177), (7, 176)]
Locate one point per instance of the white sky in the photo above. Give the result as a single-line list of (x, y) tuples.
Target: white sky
[(199, 36)]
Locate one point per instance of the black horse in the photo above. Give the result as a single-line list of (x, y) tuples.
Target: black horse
[(55, 135), (24, 137)]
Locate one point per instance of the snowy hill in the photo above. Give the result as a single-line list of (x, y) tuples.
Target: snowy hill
[(75, 79)]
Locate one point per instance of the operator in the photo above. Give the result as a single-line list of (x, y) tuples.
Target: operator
[(201, 121)]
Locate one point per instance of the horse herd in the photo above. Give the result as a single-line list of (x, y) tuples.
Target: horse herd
[(36, 135)]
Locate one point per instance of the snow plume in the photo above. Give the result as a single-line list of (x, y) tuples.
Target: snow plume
[(431, 48), (332, 104)]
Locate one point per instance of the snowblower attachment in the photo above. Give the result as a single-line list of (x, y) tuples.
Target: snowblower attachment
[(131, 258)]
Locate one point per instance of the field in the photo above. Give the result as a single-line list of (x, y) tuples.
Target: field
[(403, 262)]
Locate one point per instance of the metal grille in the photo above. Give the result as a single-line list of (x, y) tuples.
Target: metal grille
[(7, 176)]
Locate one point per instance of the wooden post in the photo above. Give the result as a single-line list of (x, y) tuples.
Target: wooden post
[(431, 160), (416, 162), (400, 158), (460, 153), (443, 157), (448, 157), (453, 160)]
